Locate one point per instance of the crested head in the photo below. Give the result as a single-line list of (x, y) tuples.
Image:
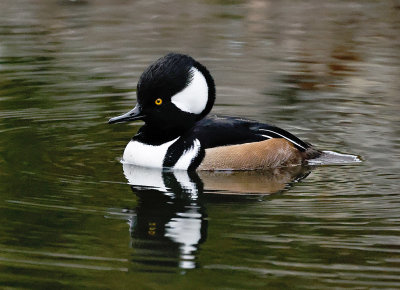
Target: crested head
[(175, 89), (173, 94)]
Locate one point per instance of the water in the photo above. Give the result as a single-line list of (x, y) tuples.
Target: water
[(74, 217)]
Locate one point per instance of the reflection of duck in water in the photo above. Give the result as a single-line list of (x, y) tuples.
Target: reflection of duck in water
[(174, 96), (190, 183), (170, 222)]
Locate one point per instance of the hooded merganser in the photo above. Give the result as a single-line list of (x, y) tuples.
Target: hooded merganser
[(174, 96)]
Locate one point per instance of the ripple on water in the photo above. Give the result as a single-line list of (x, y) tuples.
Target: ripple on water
[(70, 220)]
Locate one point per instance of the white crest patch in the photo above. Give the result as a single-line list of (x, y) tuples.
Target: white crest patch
[(187, 157), (146, 155), (193, 98)]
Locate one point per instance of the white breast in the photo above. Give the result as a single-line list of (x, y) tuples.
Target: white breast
[(146, 155)]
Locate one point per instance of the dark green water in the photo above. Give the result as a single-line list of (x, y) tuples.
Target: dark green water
[(328, 72)]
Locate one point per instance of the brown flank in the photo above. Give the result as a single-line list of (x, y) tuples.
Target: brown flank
[(270, 153)]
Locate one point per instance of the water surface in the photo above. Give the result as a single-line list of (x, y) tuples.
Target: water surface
[(73, 216)]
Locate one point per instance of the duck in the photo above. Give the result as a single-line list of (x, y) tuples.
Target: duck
[(175, 95)]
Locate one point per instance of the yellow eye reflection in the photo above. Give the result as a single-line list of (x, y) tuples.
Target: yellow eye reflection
[(158, 102)]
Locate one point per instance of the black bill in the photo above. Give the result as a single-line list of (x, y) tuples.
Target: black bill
[(132, 115)]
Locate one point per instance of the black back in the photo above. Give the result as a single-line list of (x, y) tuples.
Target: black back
[(214, 131)]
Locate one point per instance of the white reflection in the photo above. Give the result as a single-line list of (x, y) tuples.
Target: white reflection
[(159, 179), (168, 217), (144, 176), (186, 231)]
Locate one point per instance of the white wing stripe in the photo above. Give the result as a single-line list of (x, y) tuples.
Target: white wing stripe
[(283, 137), (266, 136)]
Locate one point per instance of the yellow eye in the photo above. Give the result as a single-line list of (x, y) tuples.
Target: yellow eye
[(158, 102)]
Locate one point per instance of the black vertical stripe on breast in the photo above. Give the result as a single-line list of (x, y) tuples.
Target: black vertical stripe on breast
[(178, 148)]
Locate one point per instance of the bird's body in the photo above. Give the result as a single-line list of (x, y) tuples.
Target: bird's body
[(174, 96)]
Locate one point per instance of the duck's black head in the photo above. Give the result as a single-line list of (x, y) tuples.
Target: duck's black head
[(174, 92)]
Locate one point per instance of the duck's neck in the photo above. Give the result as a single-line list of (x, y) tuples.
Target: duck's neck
[(154, 135)]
